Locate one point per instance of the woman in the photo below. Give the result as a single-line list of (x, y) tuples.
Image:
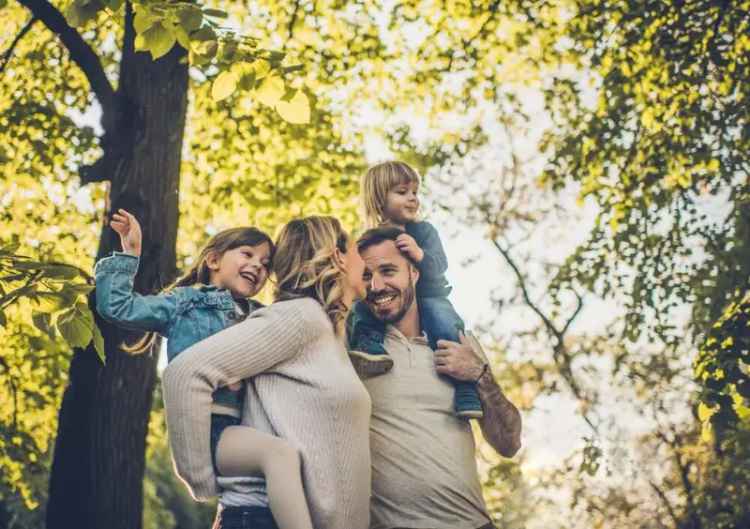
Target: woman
[(303, 386)]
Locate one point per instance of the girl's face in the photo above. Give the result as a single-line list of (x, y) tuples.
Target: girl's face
[(402, 203), (242, 270), (352, 268)]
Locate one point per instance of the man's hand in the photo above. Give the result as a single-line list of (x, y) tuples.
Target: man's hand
[(462, 361), (129, 230), (409, 246)]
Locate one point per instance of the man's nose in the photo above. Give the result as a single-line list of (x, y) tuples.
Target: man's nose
[(376, 283)]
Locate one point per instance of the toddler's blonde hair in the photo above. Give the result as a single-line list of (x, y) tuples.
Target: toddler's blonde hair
[(375, 185)]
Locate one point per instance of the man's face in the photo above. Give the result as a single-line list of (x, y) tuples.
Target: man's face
[(390, 280)]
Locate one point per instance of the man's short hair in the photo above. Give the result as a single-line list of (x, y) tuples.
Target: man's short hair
[(375, 236)]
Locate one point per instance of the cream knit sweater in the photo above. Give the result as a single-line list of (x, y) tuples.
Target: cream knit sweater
[(310, 395)]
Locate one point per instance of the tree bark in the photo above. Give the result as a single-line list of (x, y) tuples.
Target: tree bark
[(99, 460)]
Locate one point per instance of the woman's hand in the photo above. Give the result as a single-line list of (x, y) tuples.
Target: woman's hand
[(129, 230), (409, 246)]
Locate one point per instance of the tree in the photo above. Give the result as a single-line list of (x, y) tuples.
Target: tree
[(233, 162)]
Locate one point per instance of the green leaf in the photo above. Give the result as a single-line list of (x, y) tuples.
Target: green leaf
[(144, 19), (158, 40), (224, 85), (79, 12), (296, 110), (99, 345), (217, 13), (114, 5), (3, 319), (191, 18), (75, 328), (50, 301), (61, 271), (43, 322), (183, 38)]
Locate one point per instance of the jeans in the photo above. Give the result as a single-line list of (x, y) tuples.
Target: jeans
[(218, 423), (244, 518), (440, 322)]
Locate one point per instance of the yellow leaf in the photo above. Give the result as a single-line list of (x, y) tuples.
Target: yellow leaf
[(224, 85), (704, 412), (261, 68), (271, 90), (296, 110)]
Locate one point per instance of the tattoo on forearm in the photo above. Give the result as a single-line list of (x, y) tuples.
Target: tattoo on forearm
[(501, 425)]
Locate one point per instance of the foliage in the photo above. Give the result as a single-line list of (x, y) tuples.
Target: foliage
[(653, 127), (57, 295), (233, 60), (722, 367)]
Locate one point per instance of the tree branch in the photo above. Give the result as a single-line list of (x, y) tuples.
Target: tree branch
[(5, 59), (81, 53), (666, 502)]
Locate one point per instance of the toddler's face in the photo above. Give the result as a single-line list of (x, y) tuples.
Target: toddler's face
[(402, 203)]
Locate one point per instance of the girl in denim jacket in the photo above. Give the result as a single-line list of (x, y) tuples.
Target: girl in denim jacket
[(214, 294)]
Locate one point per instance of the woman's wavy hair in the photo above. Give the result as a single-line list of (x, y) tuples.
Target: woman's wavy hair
[(200, 273), (375, 185), (304, 264)]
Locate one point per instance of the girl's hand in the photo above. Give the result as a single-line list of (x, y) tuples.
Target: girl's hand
[(409, 246), (129, 230)]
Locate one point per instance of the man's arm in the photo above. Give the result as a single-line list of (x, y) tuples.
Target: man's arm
[(501, 424)]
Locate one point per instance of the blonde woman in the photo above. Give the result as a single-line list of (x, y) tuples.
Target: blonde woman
[(301, 386)]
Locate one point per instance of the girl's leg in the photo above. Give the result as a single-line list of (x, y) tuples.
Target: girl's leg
[(441, 322), (244, 451)]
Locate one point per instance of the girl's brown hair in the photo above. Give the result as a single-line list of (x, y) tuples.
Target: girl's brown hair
[(375, 185), (305, 266), (200, 273)]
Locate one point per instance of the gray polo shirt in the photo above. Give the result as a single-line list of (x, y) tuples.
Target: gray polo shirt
[(424, 472)]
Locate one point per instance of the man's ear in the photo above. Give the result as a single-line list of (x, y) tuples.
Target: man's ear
[(415, 272), (212, 261)]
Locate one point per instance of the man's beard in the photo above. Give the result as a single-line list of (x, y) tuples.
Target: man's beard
[(407, 299)]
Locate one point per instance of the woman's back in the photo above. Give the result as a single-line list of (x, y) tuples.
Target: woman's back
[(304, 389)]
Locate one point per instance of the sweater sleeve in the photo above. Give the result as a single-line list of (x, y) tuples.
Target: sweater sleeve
[(434, 263), (267, 338)]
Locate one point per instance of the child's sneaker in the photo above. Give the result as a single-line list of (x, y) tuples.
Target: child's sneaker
[(370, 365), (466, 401)]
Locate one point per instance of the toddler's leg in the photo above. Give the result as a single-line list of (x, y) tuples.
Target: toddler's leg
[(366, 334), (441, 322), (244, 451)]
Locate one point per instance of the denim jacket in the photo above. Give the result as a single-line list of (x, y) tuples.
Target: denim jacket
[(432, 281), (184, 315)]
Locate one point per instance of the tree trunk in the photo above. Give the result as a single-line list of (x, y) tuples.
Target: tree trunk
[(99, 460)]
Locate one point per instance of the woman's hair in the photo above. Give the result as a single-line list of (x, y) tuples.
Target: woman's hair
[(304, 264), (200, 273), (375, 185)]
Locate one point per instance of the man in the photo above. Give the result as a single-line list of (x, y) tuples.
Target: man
[(423, 457)]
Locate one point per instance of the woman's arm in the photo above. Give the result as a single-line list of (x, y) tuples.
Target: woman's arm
[(268, 337)]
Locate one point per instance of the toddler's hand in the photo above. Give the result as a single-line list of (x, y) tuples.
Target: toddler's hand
[(129, 230), (409, 246)]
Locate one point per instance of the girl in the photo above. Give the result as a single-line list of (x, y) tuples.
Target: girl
[(213, 295), (303, 386), (389, 196)]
